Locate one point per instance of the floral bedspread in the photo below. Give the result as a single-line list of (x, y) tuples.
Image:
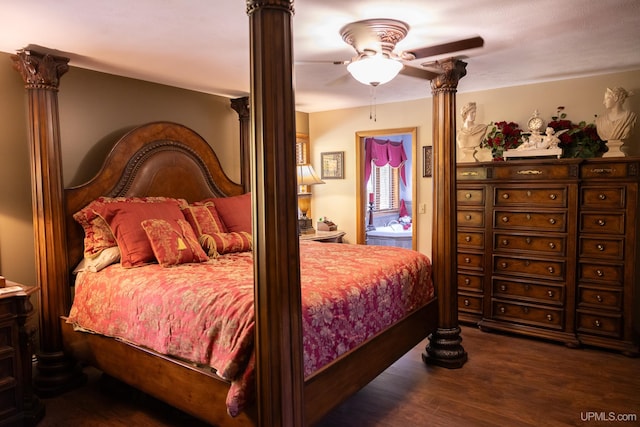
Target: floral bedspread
[(203, 313)]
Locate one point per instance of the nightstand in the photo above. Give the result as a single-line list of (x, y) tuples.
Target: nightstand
[(18, 405), (324, 236)]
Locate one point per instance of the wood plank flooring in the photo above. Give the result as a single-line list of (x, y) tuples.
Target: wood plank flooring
[(508, 381)]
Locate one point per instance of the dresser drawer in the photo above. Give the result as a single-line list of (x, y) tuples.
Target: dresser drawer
[(545, 197), (548, 221), (471, 196), (603, 197), (605, 170), (7, 309), (471, 239), (599, 298), (599, 323), (8, 401), (602, 248), (470, 304), (532, 172), (470, 173), (610, 274), (528, 267), (600, 222), (545, 293), (470, 218), (551, 245), (470, 261), (530, 314), (470, 282)]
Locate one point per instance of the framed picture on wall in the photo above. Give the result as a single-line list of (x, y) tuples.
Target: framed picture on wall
[(427, 161), (332, 165)]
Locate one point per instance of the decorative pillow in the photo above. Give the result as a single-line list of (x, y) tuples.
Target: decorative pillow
[(204, 218), (97, 234), (235, 212), (223, 243), (125, 220), (103, 259), (173, 243)]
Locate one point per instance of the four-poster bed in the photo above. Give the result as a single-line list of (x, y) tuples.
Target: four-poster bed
[(283, 395)]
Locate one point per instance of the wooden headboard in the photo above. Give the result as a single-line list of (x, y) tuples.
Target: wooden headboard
[(155, 159)]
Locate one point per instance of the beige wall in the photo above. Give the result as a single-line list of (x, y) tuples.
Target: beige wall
[(335, 131)]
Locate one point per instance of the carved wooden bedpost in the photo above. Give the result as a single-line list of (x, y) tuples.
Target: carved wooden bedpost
[(279, 368), (241, 106), (41, 74), (445, 347)]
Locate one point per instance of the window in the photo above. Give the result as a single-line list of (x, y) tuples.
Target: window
[(385, 185)]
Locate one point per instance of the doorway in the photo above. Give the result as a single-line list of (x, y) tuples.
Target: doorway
[(386, 190)]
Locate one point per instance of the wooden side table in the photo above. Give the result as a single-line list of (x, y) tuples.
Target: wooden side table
[(324, 236), (18, 405)]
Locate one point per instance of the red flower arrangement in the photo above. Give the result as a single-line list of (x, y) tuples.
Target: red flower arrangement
[(502, 136), (581, 140)]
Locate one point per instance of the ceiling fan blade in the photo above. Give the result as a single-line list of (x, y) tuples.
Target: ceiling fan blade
[(445, 48), (420, 73)]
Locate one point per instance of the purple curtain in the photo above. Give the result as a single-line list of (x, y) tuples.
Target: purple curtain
[(383, 152)]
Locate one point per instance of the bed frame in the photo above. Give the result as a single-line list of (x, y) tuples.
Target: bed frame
[(170, 160)]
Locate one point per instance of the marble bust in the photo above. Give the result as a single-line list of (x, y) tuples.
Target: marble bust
[(470, 135), (616, 124)]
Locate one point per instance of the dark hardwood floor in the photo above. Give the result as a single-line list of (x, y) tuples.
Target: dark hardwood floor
[(508, 381)]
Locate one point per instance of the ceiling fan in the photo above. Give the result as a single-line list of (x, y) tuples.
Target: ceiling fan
[(376, 63)]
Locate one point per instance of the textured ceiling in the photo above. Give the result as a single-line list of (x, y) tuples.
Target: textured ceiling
[(203, 45)]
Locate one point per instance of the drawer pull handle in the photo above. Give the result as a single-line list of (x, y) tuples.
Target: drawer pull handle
[(505, 196), (525, 310), (599, 298), (467, 196), (505, 242), (549, 318), (527, 263), (597, 323), (467, 303), (601, 222), (552, 221), (550, 294), (599, 273), (600, 247), (505, 219), (526, 287), (552, 245), (528, 240), (467, 238), (503, 264), (528, 193), (550, 270), (601, 170), (467, 217), (553, 196), (472, 173), (528, 217), (602, 196), (502, 309), (467, 260), (529, 172), (467, 280), (503, 288)]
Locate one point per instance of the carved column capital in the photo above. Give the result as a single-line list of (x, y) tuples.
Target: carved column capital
[(254, 5), (452, 70), (241, 106), (40, 70)]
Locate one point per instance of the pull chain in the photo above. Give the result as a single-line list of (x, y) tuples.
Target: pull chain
[(372, 104)]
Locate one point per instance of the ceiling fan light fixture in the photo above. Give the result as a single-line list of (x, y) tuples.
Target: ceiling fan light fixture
[(374, 70)]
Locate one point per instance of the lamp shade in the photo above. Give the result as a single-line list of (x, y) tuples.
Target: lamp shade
[(307, 176), (374, 70)]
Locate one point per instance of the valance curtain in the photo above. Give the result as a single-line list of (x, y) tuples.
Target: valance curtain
[(382, 152)]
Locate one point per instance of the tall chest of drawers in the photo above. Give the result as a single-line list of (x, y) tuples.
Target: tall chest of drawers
[(548, 248)]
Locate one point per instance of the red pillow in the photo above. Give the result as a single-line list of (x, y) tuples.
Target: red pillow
[(125, 220), (204, 218), (97, 234), (235, 212), (223, 243), (173, 243)]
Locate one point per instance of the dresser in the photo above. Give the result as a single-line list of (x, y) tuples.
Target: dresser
[(18, 405), (549, 248)]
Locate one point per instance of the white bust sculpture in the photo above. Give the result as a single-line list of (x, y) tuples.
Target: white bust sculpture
[(470, 135), (616, 124)]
